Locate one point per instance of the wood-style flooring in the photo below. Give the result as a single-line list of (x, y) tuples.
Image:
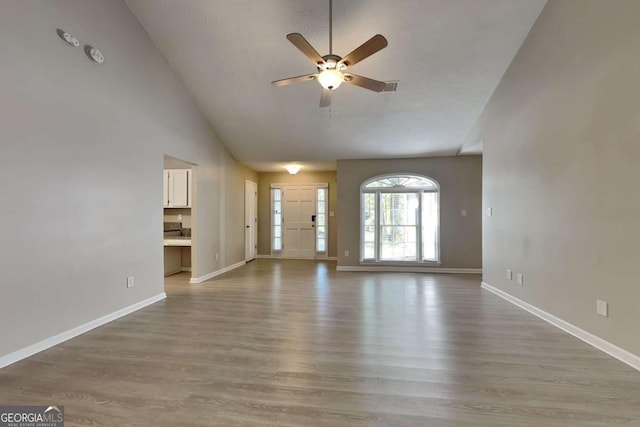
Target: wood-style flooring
[(295, 343)]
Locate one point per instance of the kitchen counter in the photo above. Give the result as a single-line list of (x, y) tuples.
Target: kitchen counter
[(177, 240)]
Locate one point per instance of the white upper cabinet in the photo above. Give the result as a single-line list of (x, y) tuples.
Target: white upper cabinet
[(177, 188)]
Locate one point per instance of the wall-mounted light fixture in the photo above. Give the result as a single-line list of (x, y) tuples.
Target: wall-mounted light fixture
[(292, 169)]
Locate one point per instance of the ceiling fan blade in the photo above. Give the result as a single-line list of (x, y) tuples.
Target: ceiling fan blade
[(325, 99), (367, 83), (366, 49), (305, 47), (291, 80)]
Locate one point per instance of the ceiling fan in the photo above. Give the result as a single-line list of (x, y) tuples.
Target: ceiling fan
[(332, 69)]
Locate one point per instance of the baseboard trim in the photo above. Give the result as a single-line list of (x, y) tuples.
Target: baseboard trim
[(187, 269), (611, 349), (47, 343), (171, 273), (197, 280), (330, 258), (408, 269)]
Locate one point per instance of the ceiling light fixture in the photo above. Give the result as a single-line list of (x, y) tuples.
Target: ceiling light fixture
[(292, 169), (330, 78)]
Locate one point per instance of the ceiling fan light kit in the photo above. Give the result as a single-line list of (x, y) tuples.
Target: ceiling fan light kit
[(332, 68), (330, 79)]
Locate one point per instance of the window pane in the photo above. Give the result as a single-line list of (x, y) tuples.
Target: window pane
[(398, 208), (402, 181), (369, 225), (369, 250), (398, 231), (276, 220), (369, 210), (398, 243), (321, 222), (430, 226)]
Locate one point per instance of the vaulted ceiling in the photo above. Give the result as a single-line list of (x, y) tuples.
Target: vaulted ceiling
[(447, 55)]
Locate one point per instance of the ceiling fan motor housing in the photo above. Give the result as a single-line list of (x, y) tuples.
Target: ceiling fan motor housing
[(331, 62)]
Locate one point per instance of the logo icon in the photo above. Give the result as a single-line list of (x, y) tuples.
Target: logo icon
[(32, 416)]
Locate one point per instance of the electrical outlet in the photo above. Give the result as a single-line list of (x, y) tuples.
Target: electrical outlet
[(180, 217), (217, 256), (520, 279), (346, 253), (602, 308), (490, 211), (509, 274), (130, 282)]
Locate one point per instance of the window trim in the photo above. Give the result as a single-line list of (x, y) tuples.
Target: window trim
[(376, 192)]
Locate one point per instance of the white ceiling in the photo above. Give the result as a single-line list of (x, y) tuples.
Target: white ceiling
[(448, 56)]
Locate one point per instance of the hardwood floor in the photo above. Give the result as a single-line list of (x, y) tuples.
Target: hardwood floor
[(296, 343)]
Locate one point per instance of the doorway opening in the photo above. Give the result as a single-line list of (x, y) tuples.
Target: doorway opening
[(179, 225), (299, 223)]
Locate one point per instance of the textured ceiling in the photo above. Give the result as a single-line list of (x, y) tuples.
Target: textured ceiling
[(448, 56)]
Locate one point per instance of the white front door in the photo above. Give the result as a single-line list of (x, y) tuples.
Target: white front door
[(298, 210), (250, 220)]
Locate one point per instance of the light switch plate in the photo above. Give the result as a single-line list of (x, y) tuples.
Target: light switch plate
[(520, 279), (509, 274), (463, 212)]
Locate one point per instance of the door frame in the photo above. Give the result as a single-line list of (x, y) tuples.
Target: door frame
[(282, 187), (250, 220)]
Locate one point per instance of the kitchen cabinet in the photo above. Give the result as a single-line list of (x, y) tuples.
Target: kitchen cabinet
[(177, 188)]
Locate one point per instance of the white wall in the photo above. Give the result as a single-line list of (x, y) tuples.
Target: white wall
[(561, 168), (81, 157)]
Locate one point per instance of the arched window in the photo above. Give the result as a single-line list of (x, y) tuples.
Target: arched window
[(400, 219)]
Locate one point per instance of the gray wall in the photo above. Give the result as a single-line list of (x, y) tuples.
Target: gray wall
[(302, 177), (460, 180), (561, 168), (81, 152)]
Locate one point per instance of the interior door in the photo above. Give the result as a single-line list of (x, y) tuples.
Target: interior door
[(298, 214), (250, 220)]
